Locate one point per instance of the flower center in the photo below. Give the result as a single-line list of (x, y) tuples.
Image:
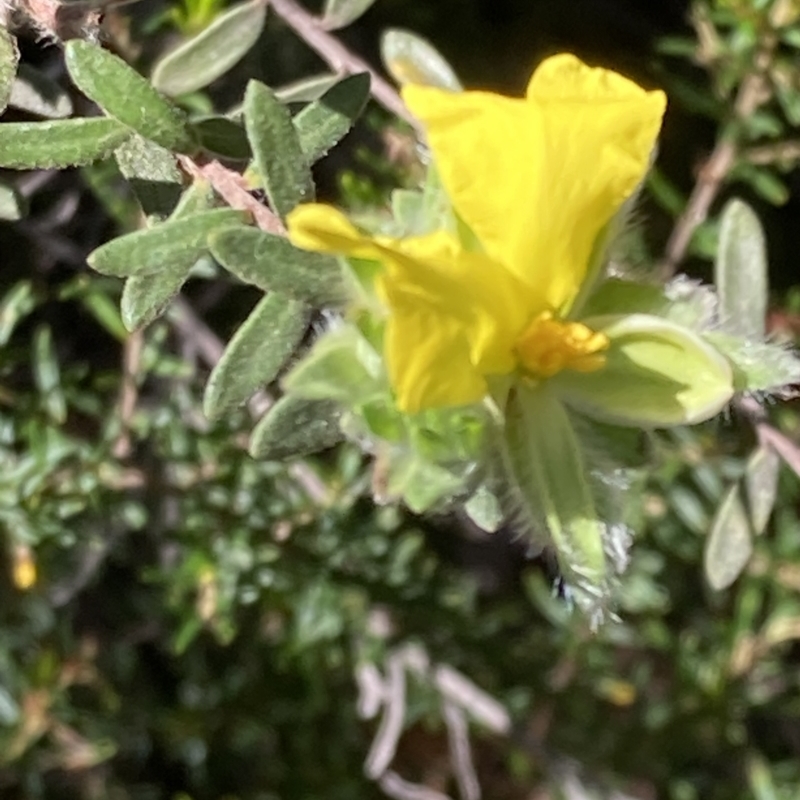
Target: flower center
[(549, 345)]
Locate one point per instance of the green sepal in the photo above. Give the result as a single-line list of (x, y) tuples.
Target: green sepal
[(296, 427), (550, 485), (657, 374), (420, 484)]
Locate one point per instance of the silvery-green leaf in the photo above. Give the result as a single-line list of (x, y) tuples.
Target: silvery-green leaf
[(12, 203), (307, 90), (271, 262), (60, 143), (295, 427), (341, 13), (223, 137), (322, 123), (740, 272), (547, 470), (34, 92), (209, 55), (125, 95), (255, 353), (729, 544), (278, 155), (657, 374), (153, 174), (409, 58), (484, 509), (761, 485), (15, 305), (758, 366), (418, 483), (9, 58), (167, 245)]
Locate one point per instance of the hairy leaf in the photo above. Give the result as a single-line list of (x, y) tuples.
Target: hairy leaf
[(9, 58), (34, 92), (296, 427), (341, 13)]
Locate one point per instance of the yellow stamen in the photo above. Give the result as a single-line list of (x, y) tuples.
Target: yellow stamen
[(549, 345)]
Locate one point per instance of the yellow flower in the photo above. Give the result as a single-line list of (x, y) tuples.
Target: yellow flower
[(536, 180)]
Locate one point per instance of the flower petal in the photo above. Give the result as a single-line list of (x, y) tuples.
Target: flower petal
[(324, 229), (657, 374)]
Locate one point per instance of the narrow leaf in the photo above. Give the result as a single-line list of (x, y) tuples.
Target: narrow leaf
[(321, 124), (59, 143), (730, 541), (153, 174), (296, 427), (223, 137), (740, 272), (279, 158), (761, 486), (409, 58), (16, 304), (125, 95), (256, 353), (307, 90), (272, 263), (9, 58), (210, 54), (340, 13), (546, 467), (166, 246)]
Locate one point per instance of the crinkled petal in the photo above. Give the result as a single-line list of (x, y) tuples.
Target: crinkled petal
[(657, 374)]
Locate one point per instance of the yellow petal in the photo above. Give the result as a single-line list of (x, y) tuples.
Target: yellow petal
[(490, 152), (600, 131), (429, 364), (324, 229)]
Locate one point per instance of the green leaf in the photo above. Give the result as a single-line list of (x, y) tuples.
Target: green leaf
[(546, 468), (340, 13), (209, 55), (730, 541), (47, 375), (12, 204), (418, 483), (409, 58), (740, 272), (657, 374), (59, 144), (166, 246), (757, 366), (761, 486), (484, 509), (9, 58), (271, 262), (153, 174), (296, 427), (256, 353), (278, 156), (125, 95), (16, 304), (341, 366), (34, 92), (321, 124), (306, 90), (223, 137)]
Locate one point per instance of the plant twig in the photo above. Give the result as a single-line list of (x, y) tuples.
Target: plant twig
[(128, 392), (752, 93), (338, 57)]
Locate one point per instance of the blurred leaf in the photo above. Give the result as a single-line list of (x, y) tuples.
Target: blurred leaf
[(153, 174), (341, 366), (47, 375), (9, 709), (296, 427), (9, 58), (757, 366), (729, 544), (168, 245), (484, 509), (409, 58), (16, 304), (760, 779), (761, 486), (13, 205), (59, 144), (223, 137), (279, 158), (740, 272), (210, 54), (307, 90), (125, 95), (322, 123), (420, 484), (256, 353), (34, 92), (272, 263), (340, 13)]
